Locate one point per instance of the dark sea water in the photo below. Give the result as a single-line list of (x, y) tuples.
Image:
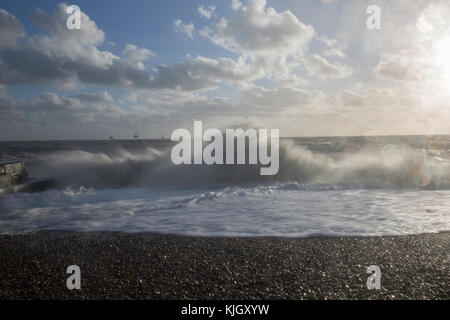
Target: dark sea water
[(325, 186)]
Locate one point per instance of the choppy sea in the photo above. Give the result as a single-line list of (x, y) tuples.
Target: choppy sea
[(333, 186)]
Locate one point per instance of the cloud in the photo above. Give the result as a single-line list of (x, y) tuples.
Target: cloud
[(377, 100), (267, 39), (55, 24), (332, 47), (68, 57), (99, 113), (297, 111), (51, 102), (425, 60), (8, 107), (51, 110), (276, 99), (257, 30), (206, 12), (435, 19), (411, 64), (275, 64), (11, 29), (392, 110), (410, 55), (135, 55), (101, 97), (319, 66), (329, 42), (71, 58), (187, 29), (204, 73), (334, 52)]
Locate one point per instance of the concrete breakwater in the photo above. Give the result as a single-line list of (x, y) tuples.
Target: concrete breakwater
[(12, 173), (14, 178)]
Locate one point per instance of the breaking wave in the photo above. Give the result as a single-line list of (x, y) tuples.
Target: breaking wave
[(299, 167)]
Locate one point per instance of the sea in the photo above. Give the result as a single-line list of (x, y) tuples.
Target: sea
[(326, 186)]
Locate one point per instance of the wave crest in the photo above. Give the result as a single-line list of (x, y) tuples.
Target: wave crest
[(390, 166)]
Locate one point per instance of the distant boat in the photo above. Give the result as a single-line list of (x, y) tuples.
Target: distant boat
[(135, 136), (111, 138)]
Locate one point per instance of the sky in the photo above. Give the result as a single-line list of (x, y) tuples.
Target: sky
[(308, 68)]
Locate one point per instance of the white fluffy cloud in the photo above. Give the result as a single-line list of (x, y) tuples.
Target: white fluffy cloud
[(206, 12), (136, 55), (89, 34), (73, 58), (257, 30), (267, 41), (65, 57), (180, 27), (335, 52), (275, 42), (205, 73), (321, 67)]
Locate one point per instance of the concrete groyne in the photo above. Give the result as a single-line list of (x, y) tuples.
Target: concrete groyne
[(14, 178)]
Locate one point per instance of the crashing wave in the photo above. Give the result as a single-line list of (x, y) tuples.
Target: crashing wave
[(367, 168)]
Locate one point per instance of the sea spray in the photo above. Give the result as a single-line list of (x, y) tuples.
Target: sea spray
[(366, 167)]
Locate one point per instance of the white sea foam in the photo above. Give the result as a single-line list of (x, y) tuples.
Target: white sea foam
[(281, 209)]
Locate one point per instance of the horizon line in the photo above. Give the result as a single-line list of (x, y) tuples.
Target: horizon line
[(281, 137)]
